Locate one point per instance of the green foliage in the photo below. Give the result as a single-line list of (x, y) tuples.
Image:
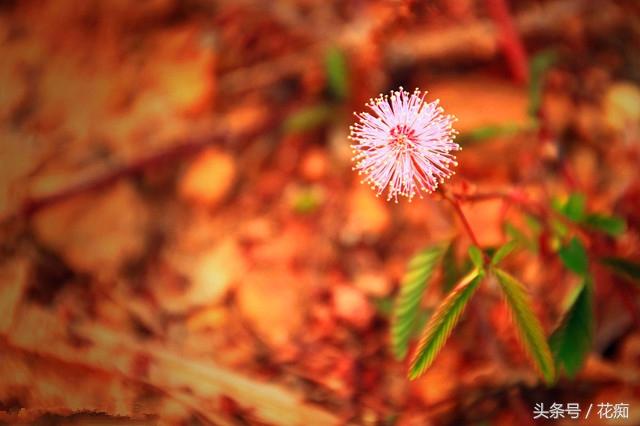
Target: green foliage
[(485, 133), (450, 270), (574, 257), (529, 327), (611, 225), (337, 73), (521, 238), (558, 228), (414, 283), (574, 209), (307, 118), (539, 65), (623, 268), (476, 256), (503, 252), (571, 341), (441, 323)]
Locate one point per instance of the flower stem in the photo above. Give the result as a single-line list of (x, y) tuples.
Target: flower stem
[(456, 206)]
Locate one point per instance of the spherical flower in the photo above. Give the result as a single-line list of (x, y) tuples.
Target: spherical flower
[(405, 145)]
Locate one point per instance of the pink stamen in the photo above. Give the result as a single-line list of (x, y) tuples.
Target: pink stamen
[(405, 146)]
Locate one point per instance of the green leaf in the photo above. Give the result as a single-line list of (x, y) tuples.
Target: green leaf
[(464, 268), (307, 118), (521, 238), (574, 257), (504, 251), (529, 327), (611, 225), (412, 287), (534, 224), (307, 200), (538, 68), (476, 256), (441, 323), (336, 67), (574, 208), (623, 268), (558, 228), (571, 341), (484, 133), (450, 269)]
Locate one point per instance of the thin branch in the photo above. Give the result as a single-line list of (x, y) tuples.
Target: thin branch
[(510, 40), (180, 149), (456, 206)]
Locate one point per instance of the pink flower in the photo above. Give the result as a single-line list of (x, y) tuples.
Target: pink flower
[(405, 147)]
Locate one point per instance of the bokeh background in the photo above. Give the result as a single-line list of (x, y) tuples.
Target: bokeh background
[(183, 241)]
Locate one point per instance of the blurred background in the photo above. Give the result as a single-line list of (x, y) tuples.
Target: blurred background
[(183, 241)]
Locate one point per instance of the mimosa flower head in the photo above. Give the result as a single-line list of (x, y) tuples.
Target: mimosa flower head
[(405, 146)]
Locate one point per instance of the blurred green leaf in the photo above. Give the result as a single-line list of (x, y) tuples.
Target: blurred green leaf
[(534, 224), (484, 133), (450, 270), (538, 67), (611, 225), (441, 323), (574, 208), (521, 238), (574, 256), (307, 118), (571, 341), (490, 251), (390, 420), (558, 228), (307, 200), (337, 73), (623, 268), (383, 305), (476, 256), (503, 252), (414, 283), (529, 327)]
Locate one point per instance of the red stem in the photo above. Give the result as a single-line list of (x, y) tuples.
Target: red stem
[(456, 206), (510, 39)]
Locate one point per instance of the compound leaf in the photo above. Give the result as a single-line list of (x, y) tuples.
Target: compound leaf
[(414, 282), (441, 323), (529, 327)]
